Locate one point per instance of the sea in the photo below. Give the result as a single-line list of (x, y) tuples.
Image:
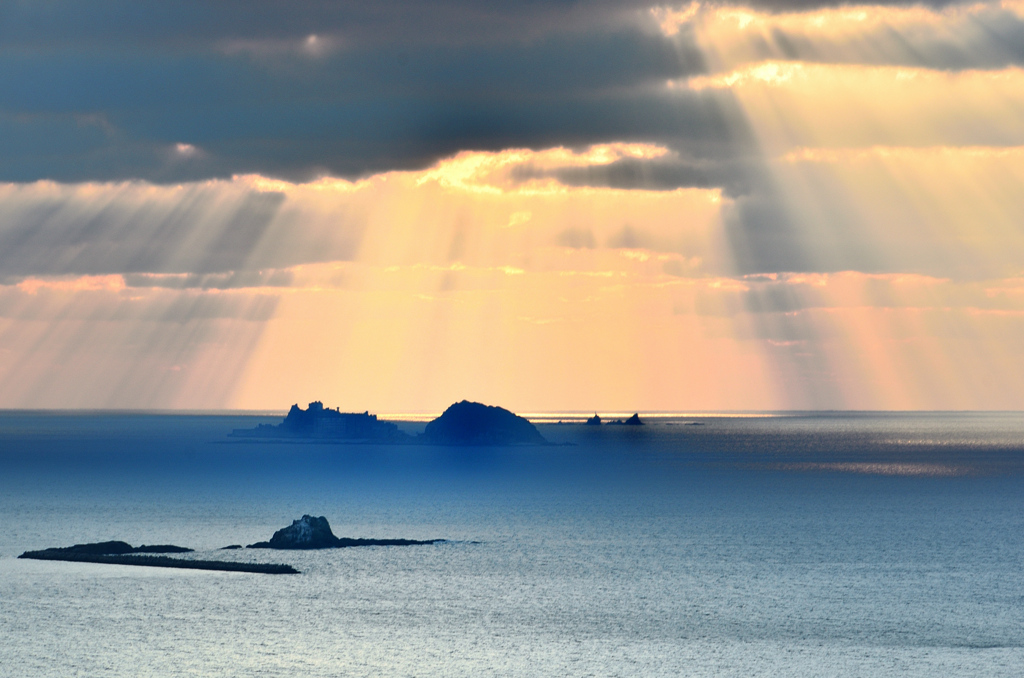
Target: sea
[(774, 544)]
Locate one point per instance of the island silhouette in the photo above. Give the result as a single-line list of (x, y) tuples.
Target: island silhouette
[(322, 422), (463, 423), (308, 532), (632, 421), (122, 553), (468, 423)]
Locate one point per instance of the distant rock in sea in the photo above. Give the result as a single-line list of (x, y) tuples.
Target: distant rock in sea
[(594, 420), (123, 553), (467, 423), (464, 423), (324, 423), (632, 421), (309, 532), (114, 548), (305, 533)]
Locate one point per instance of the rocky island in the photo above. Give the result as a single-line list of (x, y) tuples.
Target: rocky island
[(324, 423), (464, 423), (122, 553), (632, 421), (467, 423), (309, 532)]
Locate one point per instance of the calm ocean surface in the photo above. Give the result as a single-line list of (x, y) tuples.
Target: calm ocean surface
[(827, 545)]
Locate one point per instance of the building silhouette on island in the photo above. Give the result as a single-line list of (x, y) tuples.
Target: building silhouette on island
[(321, 422)]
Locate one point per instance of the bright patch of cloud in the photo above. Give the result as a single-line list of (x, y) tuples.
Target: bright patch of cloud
[(518, 218), (670, 19), (88, 283), (772, 73), (958, 36), (485, 172)]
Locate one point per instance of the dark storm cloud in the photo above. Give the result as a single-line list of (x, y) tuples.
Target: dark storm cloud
[(191, 23), (105, 89), (108, 89), (188, 24)]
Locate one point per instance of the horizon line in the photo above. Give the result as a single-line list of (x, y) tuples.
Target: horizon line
[(552, 416)]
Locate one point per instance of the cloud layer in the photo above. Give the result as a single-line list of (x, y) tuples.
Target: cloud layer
[(184, 90), (702, 205)]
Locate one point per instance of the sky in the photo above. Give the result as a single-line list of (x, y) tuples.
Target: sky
[(549, 206)]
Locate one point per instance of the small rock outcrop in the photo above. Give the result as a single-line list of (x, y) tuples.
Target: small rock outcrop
[(113, 548), (122, 553), (632, 421), (309, 532), (468, 423), (305, 533), (594, 420)]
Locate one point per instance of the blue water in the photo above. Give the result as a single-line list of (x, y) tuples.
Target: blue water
[(842, 545)]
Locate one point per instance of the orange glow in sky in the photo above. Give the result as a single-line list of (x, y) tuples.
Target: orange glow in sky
[(894, 278)]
